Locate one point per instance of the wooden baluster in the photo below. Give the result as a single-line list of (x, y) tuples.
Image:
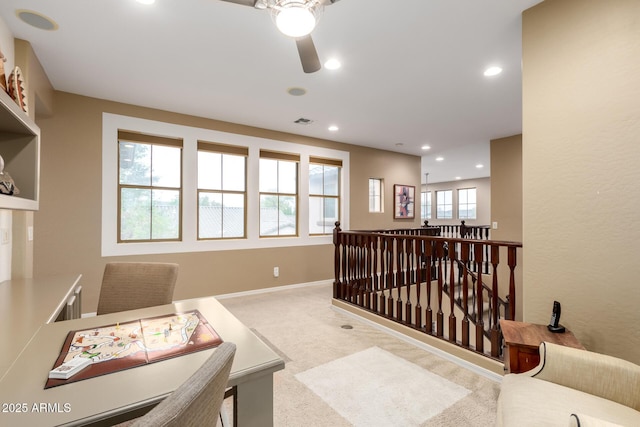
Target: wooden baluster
[(512, 282), (477, 248), (429, 262), (495, 330), (360, 271), (383, 275), (440, 314), (408, 276), (376, 282), (345, 257), (390, 276), (353, 289), (485, 259), (399, 278), (452, 316), (464, 257), (419, 256), (336, 260), (368, 289)]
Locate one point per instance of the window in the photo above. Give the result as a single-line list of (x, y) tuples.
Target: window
[(149, 187), (444, 204), (169, 188), (222, 196), (425, 202), (467, 203), (375, 195), (324, 194), (278, 194)]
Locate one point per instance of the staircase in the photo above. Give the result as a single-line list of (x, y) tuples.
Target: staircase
[(416, 278)]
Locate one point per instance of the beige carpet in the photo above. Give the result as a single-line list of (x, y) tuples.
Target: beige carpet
[(301, 326)]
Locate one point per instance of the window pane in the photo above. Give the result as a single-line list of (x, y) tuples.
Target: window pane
[(210, 215), (316, 210), (287, 216), (315, 179), (135, 217), (165, 218), (268, 215), (268, 176), (233, 215), (444, 207), (233, 172), (467, 203), (135, 163), (331, 180), (287, 177), (209, 170), (375, 195), (166, 163)]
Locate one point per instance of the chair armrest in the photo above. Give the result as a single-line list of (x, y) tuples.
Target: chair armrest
[(597, 374)]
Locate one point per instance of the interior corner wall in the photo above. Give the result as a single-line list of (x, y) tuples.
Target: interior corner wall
[(581, 121), (67, 228), (506, 207)]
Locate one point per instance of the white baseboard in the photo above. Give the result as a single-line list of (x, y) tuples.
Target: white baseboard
[(274, 289)]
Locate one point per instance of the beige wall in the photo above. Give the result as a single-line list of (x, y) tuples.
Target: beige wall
[(581, 124), (506, 208), (68, 224)]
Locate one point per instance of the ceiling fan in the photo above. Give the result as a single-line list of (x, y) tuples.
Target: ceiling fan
[(296, 19)]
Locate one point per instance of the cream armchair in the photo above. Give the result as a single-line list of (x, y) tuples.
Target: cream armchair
[(571, 387)]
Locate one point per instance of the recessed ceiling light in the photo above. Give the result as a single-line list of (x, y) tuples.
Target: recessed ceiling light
[(492, 71), (426, 147), (439, 159), (333, 128), (147, 2), (332, 64), (36, 20), (296, 91), (479, 166), (458, 177)]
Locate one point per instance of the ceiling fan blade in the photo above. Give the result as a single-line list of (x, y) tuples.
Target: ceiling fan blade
[(308, 54), (243, 2)]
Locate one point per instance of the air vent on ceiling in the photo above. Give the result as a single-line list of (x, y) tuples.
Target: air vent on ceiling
[(303, 121)]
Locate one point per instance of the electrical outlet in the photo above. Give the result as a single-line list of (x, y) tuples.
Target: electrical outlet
[(276, 271), (494, 225)]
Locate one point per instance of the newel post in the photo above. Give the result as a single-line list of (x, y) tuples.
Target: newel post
[(336, 260)]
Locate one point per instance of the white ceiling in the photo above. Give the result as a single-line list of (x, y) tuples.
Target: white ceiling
[(412, 70)]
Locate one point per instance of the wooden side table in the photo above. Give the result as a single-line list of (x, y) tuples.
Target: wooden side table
[(522, 342)]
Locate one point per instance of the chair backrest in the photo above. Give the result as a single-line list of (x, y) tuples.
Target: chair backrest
[(198, 400), (131, 285)]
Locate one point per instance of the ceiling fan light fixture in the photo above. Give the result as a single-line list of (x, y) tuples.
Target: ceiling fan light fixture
[(296, 20)]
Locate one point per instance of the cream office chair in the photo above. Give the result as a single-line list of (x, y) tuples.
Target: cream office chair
[(131, 285), (198, 400)]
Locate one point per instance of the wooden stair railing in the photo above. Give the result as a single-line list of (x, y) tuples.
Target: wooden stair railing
[(416, 277)]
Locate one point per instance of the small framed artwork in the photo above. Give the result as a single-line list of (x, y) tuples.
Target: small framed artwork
[(404, 199)]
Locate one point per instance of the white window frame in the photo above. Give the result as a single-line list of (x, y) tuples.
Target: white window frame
[(380, 183), (190, 136)]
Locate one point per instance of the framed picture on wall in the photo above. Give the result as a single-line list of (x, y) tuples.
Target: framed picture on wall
[(404, 201)]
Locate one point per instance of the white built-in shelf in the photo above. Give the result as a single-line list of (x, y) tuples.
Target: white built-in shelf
[(20, 149)]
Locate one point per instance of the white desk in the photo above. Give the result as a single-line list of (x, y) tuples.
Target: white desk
[(103, 400), (27, 304)]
